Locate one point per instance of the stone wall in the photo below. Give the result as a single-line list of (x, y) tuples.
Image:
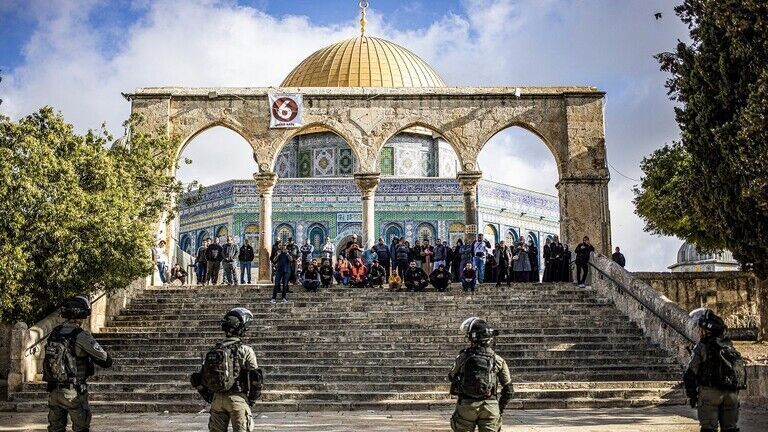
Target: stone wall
[(756, 393), (662, 320), (5, 349), (733, 295)]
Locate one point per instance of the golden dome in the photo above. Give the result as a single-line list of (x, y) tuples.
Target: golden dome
[(363, 62)]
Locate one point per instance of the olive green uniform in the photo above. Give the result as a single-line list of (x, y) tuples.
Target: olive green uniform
[(70, 401), (715, 407), (483, 414), (233, 405)]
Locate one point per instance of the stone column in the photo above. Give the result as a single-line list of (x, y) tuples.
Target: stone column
[(265, 181), (468, 181), (584, 212), (367, 183)]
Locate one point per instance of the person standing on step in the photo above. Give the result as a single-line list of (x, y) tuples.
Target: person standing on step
[(401, 253), (293, 251), (521, 267), (457, 261), (583, 251), (230, 252), (201, 262), (565, 272), (618, 257), (440, 255), (310, 278), (715, 374), (392, 248), (476, 376), (161, 260), (213, 256), (283, 262), (245, 257), (533, 258), (328, 250), (468, 278), (353, 249), (480, 249), (440, 278), (384, 256), (503, 256), (368, 256), (306, 252), (70, 354), (230, 378), (547, 255), (556, 260), (415, 278), (427, 257)]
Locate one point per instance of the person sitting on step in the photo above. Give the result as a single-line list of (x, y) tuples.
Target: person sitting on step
[(469, 278), (178, 274), (395, 282), (342, 271), (440, 278), (376, 274), (311, 278), (326, 273), (415, 278), (358, 274)]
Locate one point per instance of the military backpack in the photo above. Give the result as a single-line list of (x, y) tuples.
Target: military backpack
[(221, 369), (60, 363), (726, 369), (477, 377)]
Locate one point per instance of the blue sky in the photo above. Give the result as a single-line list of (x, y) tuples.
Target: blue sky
[(78, 55)]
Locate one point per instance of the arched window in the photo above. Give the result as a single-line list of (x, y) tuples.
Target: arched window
[(251, 233), (283, 233), (510, 236), (201, 236), (392, 231), (533, 237), (425, 231), (222, 232), (316, 236), (186, 243), (491, 233)]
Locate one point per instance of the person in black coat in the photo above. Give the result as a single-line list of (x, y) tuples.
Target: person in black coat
[(565, 270), (326, 273), (377, 274), (440, 278), (311, 278), (583, 252), (618, 257), (415, 278), (533, 257)]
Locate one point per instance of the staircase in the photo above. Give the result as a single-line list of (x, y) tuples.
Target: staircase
[(351, 349)]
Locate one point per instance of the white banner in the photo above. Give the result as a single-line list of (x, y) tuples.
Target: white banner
[(285, 110)]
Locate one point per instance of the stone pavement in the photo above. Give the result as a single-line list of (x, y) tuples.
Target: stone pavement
[(663, 419)]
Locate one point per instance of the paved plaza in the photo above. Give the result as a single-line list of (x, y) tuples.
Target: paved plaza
[(663, 419)]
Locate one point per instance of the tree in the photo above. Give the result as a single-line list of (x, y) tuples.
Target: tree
[(78, 216), (712, 188)]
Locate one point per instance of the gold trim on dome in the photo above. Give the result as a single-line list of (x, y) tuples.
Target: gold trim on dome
[(363, 62)]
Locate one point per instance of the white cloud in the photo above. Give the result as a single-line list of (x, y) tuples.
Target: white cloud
[(208, 43)]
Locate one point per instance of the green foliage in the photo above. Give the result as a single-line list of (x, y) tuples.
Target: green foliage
[(720, 80), (77, 216)]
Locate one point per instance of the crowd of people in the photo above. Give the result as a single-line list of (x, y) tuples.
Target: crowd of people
[(399, 264)]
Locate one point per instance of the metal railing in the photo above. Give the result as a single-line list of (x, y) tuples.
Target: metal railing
[(626, 290), (35, 347)]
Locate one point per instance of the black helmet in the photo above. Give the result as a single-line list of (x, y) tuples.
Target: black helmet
[(76, 308), (707, 320), (477, 330), (236, 321)]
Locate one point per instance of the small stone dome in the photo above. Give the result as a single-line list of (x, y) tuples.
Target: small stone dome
[(688, 253)]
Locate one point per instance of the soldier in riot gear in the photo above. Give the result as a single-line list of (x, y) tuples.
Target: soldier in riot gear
[(70, 355), (229, 378), (715, 375), (475, 378)]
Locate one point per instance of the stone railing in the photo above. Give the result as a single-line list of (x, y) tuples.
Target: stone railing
[(756, 393), (662, 320), (27, 343)]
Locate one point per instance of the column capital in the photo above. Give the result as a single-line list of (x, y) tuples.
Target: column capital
[(265, 181), (469, 179), (367, 182)]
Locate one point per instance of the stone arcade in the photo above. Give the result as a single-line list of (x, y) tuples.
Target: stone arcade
[(367, 103)]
